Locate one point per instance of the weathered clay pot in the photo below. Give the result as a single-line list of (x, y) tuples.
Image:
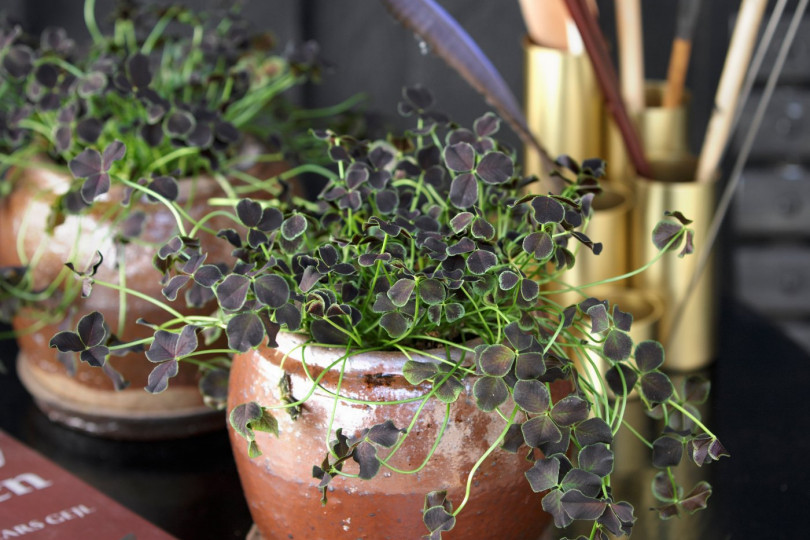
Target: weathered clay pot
[(282, 493), (88, 400)]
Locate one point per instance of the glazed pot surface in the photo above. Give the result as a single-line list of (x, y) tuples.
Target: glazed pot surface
[(282, 494)]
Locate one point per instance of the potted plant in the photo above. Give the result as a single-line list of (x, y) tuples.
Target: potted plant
[(172, 106), (398, 337)]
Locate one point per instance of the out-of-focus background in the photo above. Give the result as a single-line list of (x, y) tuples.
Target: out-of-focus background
[(764, 253)]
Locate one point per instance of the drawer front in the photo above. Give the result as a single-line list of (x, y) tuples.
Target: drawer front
[(785, 130), (774, 280), (774, 200), (797, 64)]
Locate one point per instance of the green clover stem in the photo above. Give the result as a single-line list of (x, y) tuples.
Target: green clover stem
[(483, 458), (692, 417)]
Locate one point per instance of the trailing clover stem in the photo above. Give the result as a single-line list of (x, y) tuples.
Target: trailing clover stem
[(480, 316), (176, 154), (638, 435), (692, 418), (435, 445), (90, 21), (142, 296), (168, 204), (481, 460), (344, 359), (157, 31), (661, 252), (122, 292)]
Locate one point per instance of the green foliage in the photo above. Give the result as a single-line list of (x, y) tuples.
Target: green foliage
[(430, 238)]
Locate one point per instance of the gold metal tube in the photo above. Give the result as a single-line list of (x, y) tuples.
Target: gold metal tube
[(564, 106), (691, 345)]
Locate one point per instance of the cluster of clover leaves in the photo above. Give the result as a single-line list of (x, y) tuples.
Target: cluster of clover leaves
[(169, 94), (179, 88), (432, 238)]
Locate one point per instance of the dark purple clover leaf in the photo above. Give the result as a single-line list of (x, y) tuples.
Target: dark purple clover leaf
[(432, 291), (96, 356), (507, 280), (481, 260), (158, 380), (656, 386), (453, 312), (518, 338), (271, 290), (385, 434), (66, 341), (547, 210), (529, 365), (172, 345), (400, 292), (552, 503), (165, 186), (232, 291), (490, 392), (705, 449), (138, 68), (92, 329), (667, 452), (465, 245), (621, 379), (596, 458), (599, 318), (618, 518), (544, 474), (179, 123), (622, 320), (540, 430), (579, 506), (463, 191), (246, 418), (689, 245), (417, 372), (214, 386), (172, 288), (649, 355), (293, 227), (696, 499), (366, 455), (482, 229), (438, 519), (539, 245), (495, 360), (592, 431), (459, 157), (513, 439), (617, 346), (570, 410), (532, 396), (449, 390), (245, 331), (395, 324), (529, 289), (495, 168), (249, 212), (461, 221), (583, 481), (487, 125), (667, 231), (89, 129)]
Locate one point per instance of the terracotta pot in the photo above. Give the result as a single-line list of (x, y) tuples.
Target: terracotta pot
[(88, 400), (282, 493)]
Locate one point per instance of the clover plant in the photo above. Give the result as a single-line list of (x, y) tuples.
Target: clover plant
[(432, 239), (170, 95)]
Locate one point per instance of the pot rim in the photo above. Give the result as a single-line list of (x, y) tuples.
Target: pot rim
[(292, 344)]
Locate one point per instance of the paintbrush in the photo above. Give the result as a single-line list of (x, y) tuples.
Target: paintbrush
[(728, 90), (681, 52), (606, 76)]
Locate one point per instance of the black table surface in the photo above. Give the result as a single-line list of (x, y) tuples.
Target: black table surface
[(760, 382)]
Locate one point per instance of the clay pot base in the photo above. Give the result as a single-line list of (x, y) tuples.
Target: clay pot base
[(131, 414), (254, 534)]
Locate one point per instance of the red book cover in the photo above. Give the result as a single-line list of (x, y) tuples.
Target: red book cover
[(41, 501)]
